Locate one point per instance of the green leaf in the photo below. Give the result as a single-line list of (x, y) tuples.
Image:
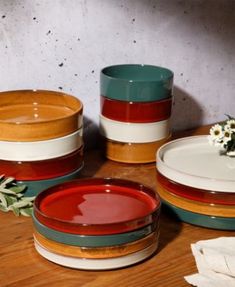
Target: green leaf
[(26, 211), (6, 181), (18, 188), (3, 200), (7, 191), (3, 208), (20, 204), (10, 199), (16, 211)]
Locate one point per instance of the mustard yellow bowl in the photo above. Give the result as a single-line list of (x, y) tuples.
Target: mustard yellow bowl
[(34, 115)]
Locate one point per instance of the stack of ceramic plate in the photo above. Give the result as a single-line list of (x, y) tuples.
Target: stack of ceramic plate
[(96, 224), (41, 137), (196, 181), (135, 108)]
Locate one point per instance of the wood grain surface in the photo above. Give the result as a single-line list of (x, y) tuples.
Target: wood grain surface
[(21, 265)]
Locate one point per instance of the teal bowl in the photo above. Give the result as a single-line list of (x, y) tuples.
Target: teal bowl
[(213, 222), (93, 240), (136, 83), (34, 187)]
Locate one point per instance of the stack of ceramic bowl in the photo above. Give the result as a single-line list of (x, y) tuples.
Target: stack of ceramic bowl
[(136, 103), (196, 182), (41, 137), (96, 224)]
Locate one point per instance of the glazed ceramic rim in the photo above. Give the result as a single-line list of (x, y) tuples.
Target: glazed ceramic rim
[(93, 240), (96, 264), (215, 222), (195, 206), (195, 194), (136, 90), (130, 152), (41, 150), (135, 112), (97, 252), (44, 129), (102, 228), (43, 169), (36, 186), (200, 182), (134, 132)]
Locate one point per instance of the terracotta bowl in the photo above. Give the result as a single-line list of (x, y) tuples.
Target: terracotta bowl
[(136, 112), (131, 152), (43, 169), (96, 252), (41, 150), (97, 206), (136, 83), (35, 115)]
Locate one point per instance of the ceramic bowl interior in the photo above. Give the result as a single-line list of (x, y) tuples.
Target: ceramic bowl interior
[(97, 206), (31, 115), (43, 169), (193, 162), (136, 83), (136, 112)]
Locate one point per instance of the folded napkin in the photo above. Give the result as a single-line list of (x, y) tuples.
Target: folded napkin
[(215, 260)]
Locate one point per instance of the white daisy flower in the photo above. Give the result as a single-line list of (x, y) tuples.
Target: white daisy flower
[(230, 125), (227, 136), (216, 131)]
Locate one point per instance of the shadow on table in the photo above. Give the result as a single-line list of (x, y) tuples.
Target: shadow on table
[(170, 227)]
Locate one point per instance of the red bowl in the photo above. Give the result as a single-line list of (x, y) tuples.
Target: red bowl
[(43, 169), (201, 195), (135, 112), (97, 206)]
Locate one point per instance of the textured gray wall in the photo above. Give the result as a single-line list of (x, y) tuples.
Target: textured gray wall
[(63, 44)]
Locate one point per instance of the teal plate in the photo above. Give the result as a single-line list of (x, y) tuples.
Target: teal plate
[(214, 222), (90, 240), (34, 187)]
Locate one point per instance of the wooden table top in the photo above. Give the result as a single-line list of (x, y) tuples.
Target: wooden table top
[(21, 265)]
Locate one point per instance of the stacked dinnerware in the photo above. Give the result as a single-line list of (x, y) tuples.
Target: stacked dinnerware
[(41, 137), (196, 182), (135, 111), (96, 223)]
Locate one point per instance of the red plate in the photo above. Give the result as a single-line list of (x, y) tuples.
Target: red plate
[(43, 169), (135, 112), (201, 195), (97, 206)]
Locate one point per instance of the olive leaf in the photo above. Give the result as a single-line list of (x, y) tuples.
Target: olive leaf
[(12, 197)]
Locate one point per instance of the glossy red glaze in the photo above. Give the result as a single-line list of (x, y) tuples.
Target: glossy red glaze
[(44, 169), (97, 206), (201, 195), (135, 112)]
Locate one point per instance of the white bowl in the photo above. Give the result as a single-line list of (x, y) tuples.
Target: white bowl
[(41, 150), (134, 132), (96, 264)]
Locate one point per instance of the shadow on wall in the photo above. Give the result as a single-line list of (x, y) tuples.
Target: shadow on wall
[(185, 109), (90, 133)]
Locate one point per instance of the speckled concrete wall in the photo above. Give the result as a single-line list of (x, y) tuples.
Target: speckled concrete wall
[(63, 44)]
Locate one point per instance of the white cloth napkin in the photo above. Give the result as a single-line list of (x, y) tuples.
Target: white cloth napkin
[(215, 260)]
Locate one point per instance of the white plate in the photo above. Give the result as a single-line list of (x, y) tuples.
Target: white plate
[(192, 161), (96, 264), (41, 150), (134, 132)]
